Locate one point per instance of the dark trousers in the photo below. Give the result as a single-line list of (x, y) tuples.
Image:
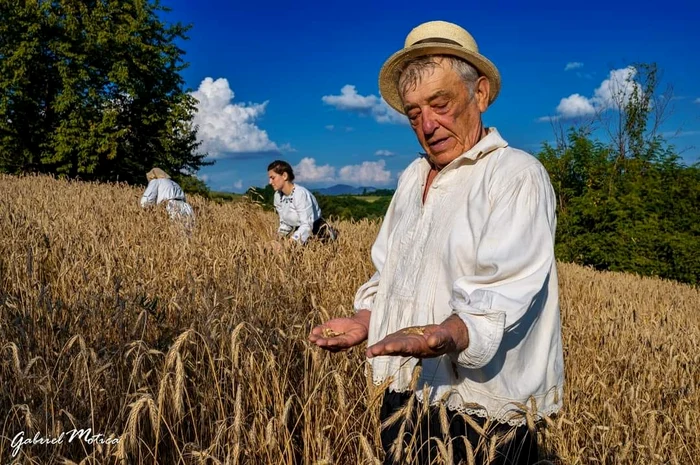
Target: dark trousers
[(512, 446), (323, 231)]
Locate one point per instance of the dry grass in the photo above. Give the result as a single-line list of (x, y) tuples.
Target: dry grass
[(192, 349)]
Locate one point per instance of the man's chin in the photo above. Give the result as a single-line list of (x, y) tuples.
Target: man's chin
[(443, 158)]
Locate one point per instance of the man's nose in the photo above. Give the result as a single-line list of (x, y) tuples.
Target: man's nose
[(429, 123)]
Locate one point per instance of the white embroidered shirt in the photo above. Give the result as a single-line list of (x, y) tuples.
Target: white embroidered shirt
[(481, 247)]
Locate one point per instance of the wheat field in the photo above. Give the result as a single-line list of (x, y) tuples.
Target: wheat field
[(191, 348)]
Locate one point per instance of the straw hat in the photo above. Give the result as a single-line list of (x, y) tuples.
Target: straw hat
[(157, 173), (435, 38)]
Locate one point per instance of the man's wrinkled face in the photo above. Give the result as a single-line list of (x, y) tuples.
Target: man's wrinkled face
[(444, 115)]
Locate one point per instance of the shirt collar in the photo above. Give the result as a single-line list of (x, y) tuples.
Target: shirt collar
[(291, 194), (490, 142)]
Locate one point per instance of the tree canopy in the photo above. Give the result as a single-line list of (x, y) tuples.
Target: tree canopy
[(92, 89)]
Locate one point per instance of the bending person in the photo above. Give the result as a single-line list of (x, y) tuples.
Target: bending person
[(163, 189), (296, 206)]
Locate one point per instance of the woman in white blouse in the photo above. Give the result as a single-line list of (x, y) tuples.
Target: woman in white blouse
[(163, 189), (297, 208)]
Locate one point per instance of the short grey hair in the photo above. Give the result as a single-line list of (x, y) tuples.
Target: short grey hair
[(414, 70)]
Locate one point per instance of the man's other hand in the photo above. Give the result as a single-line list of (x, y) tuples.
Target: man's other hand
[(341, 333)]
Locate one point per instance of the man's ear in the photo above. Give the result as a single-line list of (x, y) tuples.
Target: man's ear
[(482, 91)]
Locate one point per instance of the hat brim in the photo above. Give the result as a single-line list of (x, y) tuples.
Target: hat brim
[(388, 76)]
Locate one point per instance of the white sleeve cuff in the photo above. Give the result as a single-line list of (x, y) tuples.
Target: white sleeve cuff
[(485, 334)]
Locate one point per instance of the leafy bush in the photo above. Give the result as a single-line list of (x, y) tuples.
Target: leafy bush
[(637, 214)]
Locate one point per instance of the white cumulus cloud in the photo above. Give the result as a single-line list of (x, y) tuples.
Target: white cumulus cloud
[(616, 89), (350, 100), (307, 171), (238, 184), (575, 105), (369, 172), (384, 153), (573, 65), (227, 128), (613, 93)]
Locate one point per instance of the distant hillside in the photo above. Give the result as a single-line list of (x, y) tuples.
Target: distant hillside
[(344, 189)]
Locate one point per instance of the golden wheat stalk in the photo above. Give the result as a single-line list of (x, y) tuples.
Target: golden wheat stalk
[(367, 451)]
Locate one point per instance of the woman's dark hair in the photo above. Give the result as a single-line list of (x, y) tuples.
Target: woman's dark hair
[(281, 167)]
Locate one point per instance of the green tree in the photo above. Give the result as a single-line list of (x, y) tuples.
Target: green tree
[(627, 204), (92, 89)]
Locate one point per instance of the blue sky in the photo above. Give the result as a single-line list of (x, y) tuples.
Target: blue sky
[(299, 83)]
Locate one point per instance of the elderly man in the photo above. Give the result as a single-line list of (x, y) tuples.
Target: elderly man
[(465, 283)]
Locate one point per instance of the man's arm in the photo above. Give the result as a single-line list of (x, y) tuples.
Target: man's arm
[(514, 260)]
